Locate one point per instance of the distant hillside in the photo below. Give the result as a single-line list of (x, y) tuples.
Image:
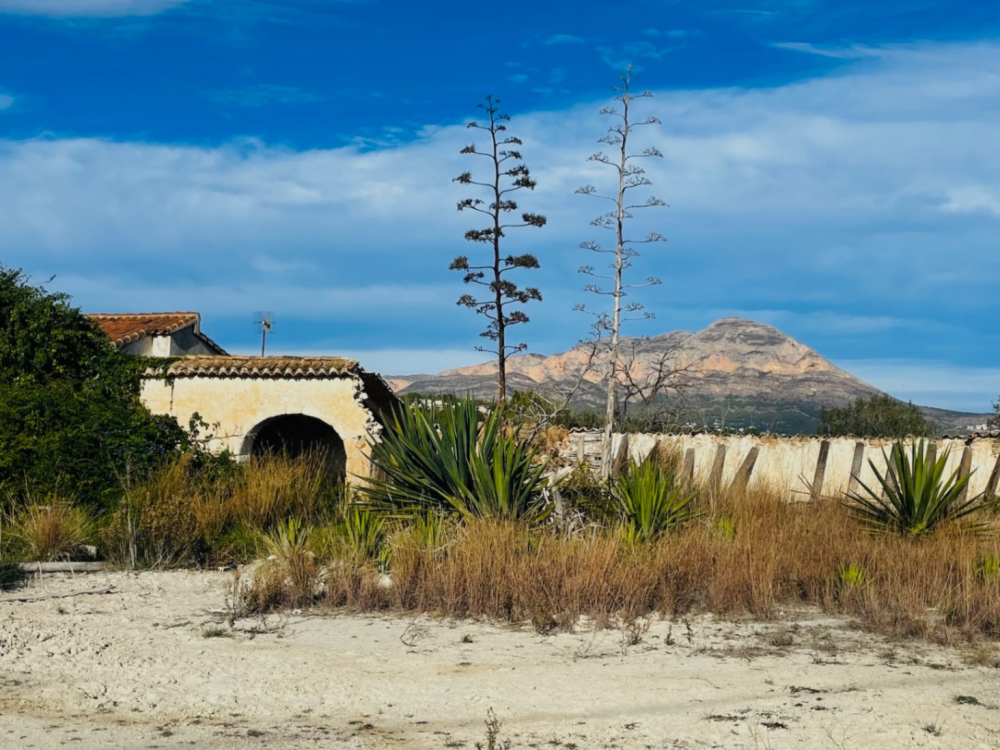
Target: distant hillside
[(735, 373)]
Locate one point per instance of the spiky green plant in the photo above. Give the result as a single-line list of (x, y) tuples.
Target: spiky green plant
[(915, 497), (649, 501), (364, 533), (851, 576), (455, 460), (288, 540)]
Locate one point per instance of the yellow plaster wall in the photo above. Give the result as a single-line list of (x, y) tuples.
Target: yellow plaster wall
[(234, 406)]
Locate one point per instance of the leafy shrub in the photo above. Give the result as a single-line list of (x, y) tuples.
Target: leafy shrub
[(454, 459), (918, 498), (880, 416), (71, 420), (583, 491), (649, 501)]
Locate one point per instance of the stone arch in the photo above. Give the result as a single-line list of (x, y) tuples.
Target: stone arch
[(294, 435)]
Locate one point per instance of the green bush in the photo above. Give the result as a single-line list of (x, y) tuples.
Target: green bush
[(879, 416), (649, 501), (455, 459), (914, 496), (71, 421)]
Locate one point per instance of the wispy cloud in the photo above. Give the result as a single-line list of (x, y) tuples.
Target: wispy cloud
[(88, 8), (620, 56), (262, 94), (517, 78), (839, 52), (563, 39), (836, 206), (6, 101)]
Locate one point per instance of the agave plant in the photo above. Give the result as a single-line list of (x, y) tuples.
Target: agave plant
[(915, 497), (649, 501), (364, 533), (455, 459)]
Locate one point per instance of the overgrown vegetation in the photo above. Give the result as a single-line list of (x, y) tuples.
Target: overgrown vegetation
[(914, 496), (879, 416), (457, 458), (71, 421)]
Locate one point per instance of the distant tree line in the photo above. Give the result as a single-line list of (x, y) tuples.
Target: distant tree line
[(879, 416)]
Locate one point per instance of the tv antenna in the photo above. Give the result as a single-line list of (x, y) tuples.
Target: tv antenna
[(264, 322)]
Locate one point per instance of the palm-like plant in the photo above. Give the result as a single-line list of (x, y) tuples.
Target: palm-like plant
[(915, 497), (649, 501), (455, 459)]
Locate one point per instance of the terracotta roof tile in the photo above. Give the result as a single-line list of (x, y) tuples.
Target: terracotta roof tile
[(125, 328), (231, 366)]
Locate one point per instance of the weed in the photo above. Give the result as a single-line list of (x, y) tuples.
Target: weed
[(214, 631), (493, 727)]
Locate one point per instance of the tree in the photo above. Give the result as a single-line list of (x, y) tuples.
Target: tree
[(880, 416), (71, 421), (994, 422), (502, 299), (630, 177)]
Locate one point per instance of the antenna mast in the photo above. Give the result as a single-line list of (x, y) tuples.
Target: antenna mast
[(264, 323)]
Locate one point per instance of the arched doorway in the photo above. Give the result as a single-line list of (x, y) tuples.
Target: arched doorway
[(295, 435)]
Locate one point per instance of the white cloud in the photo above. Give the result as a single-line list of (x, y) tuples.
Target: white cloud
[(88, 8), (851, 196)]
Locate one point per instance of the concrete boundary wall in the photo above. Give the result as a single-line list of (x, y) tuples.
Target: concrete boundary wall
[(799, 466)]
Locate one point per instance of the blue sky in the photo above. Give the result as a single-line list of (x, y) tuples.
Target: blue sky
[(832, 168)]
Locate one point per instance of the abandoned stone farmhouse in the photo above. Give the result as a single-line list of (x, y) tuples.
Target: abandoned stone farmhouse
[(255, 404)]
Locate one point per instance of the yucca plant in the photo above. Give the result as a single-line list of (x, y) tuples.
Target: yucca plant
[(649, 501), (915, 496), (364, 533), (454, 460)]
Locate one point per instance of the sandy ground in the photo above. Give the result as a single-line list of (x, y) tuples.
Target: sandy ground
[(134, 668)]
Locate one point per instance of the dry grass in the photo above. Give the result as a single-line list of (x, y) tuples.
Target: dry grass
[(55, 531), (780, 554), (183, 515)]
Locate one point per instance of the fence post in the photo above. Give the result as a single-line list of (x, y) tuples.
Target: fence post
[(715, 478), (687, 471), (817, 485), (742, 477), (856, 464), (964, 469), (991, 486)]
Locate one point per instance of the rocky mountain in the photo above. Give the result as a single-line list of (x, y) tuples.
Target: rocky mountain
[(735, 372)]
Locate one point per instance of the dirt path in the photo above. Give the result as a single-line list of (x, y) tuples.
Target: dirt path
[(134, 669)]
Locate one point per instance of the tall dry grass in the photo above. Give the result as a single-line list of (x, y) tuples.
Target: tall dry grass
[(55, 530), (187, 515), (751, 554)]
